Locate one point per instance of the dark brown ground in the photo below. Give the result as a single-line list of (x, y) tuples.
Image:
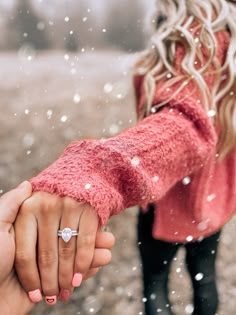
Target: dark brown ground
[(39, 118)]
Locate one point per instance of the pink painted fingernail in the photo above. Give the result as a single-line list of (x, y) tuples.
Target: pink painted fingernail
[(64, 295), (51, 300), (35, 296), (77, 279)]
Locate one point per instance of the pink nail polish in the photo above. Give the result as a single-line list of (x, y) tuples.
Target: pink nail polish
[(64, 295), (77, 279), (35, 296), (51, 300)]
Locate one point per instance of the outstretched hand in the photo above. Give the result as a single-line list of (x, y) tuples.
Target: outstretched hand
[(47, 265), (13, 299)]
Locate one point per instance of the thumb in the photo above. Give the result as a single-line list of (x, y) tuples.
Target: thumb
[(11, 201)]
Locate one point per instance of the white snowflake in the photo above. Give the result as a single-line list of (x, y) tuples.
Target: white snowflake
[(199, 276), (87, 186), (155, 178), (189, 238), (189, 309), (135, 161), (64, 118), (211, 113), (76, 98), (108, 87), (186, 180)]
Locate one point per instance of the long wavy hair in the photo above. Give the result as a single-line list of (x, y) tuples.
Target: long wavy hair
[(172, 23)]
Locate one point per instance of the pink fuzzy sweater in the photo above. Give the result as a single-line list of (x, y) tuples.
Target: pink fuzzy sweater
[(168, 159)]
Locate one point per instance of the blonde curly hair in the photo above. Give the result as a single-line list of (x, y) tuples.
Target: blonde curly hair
[(156, 63)]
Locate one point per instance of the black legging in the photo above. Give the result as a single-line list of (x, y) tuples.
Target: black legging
[(156, 259)]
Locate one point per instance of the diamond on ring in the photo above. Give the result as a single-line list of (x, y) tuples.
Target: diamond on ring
[(66, 234)]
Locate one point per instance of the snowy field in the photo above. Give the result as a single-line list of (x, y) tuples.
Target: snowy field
[(51, 99)]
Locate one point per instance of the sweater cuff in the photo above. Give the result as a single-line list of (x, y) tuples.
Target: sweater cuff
[(75, 175)]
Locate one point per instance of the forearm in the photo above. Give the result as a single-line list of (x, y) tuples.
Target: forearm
[(138, 166)]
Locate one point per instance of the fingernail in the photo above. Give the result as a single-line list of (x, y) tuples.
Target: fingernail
[(77, 279), (51, 300), (64, 295), (35, 296)]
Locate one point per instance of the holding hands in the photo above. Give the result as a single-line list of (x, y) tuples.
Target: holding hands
[(12, 294), (46, 264)]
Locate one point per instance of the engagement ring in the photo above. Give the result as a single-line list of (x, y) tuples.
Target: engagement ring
[(66, 234)]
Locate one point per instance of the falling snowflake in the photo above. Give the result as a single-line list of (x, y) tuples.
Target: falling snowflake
[(186, 180), (87, 186), (189, 238), (119, 96), (76, 98), (64, 118), (28, 140), (108, 87), (49, 113), (211, 197), (41, 26), (135, 161), (211, 113), (155, 178), (199, 276), (113, 129), (189, 309), (202, 226), (153, 296)]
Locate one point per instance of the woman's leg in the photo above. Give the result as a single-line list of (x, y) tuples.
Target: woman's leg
[(156, 259), (200, 259)]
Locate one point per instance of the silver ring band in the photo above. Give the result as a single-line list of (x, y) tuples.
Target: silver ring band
[(66, 234)]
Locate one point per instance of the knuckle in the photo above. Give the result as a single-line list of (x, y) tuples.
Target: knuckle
[(66, 252), (87, 240), (46, 258), (22, 258)]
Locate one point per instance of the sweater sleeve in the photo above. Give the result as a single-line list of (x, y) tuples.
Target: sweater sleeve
[(135, 167)]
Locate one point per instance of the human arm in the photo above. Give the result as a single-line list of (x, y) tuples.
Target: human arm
[(13, 299), (138, 166)]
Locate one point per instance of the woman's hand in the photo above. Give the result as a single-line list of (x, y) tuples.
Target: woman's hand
[(13, 299), (46, 264)]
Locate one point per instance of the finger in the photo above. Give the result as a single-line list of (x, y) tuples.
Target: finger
[(101, 257), (90, 273), (67, 250), (25, 257), (104, 240), (11, 201), (48, 223), (88, 227)]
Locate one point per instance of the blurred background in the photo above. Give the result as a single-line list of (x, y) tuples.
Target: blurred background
[(72, 25), (64, 76)]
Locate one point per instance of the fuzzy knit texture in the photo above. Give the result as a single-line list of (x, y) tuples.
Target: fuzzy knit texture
[(168, 159)]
